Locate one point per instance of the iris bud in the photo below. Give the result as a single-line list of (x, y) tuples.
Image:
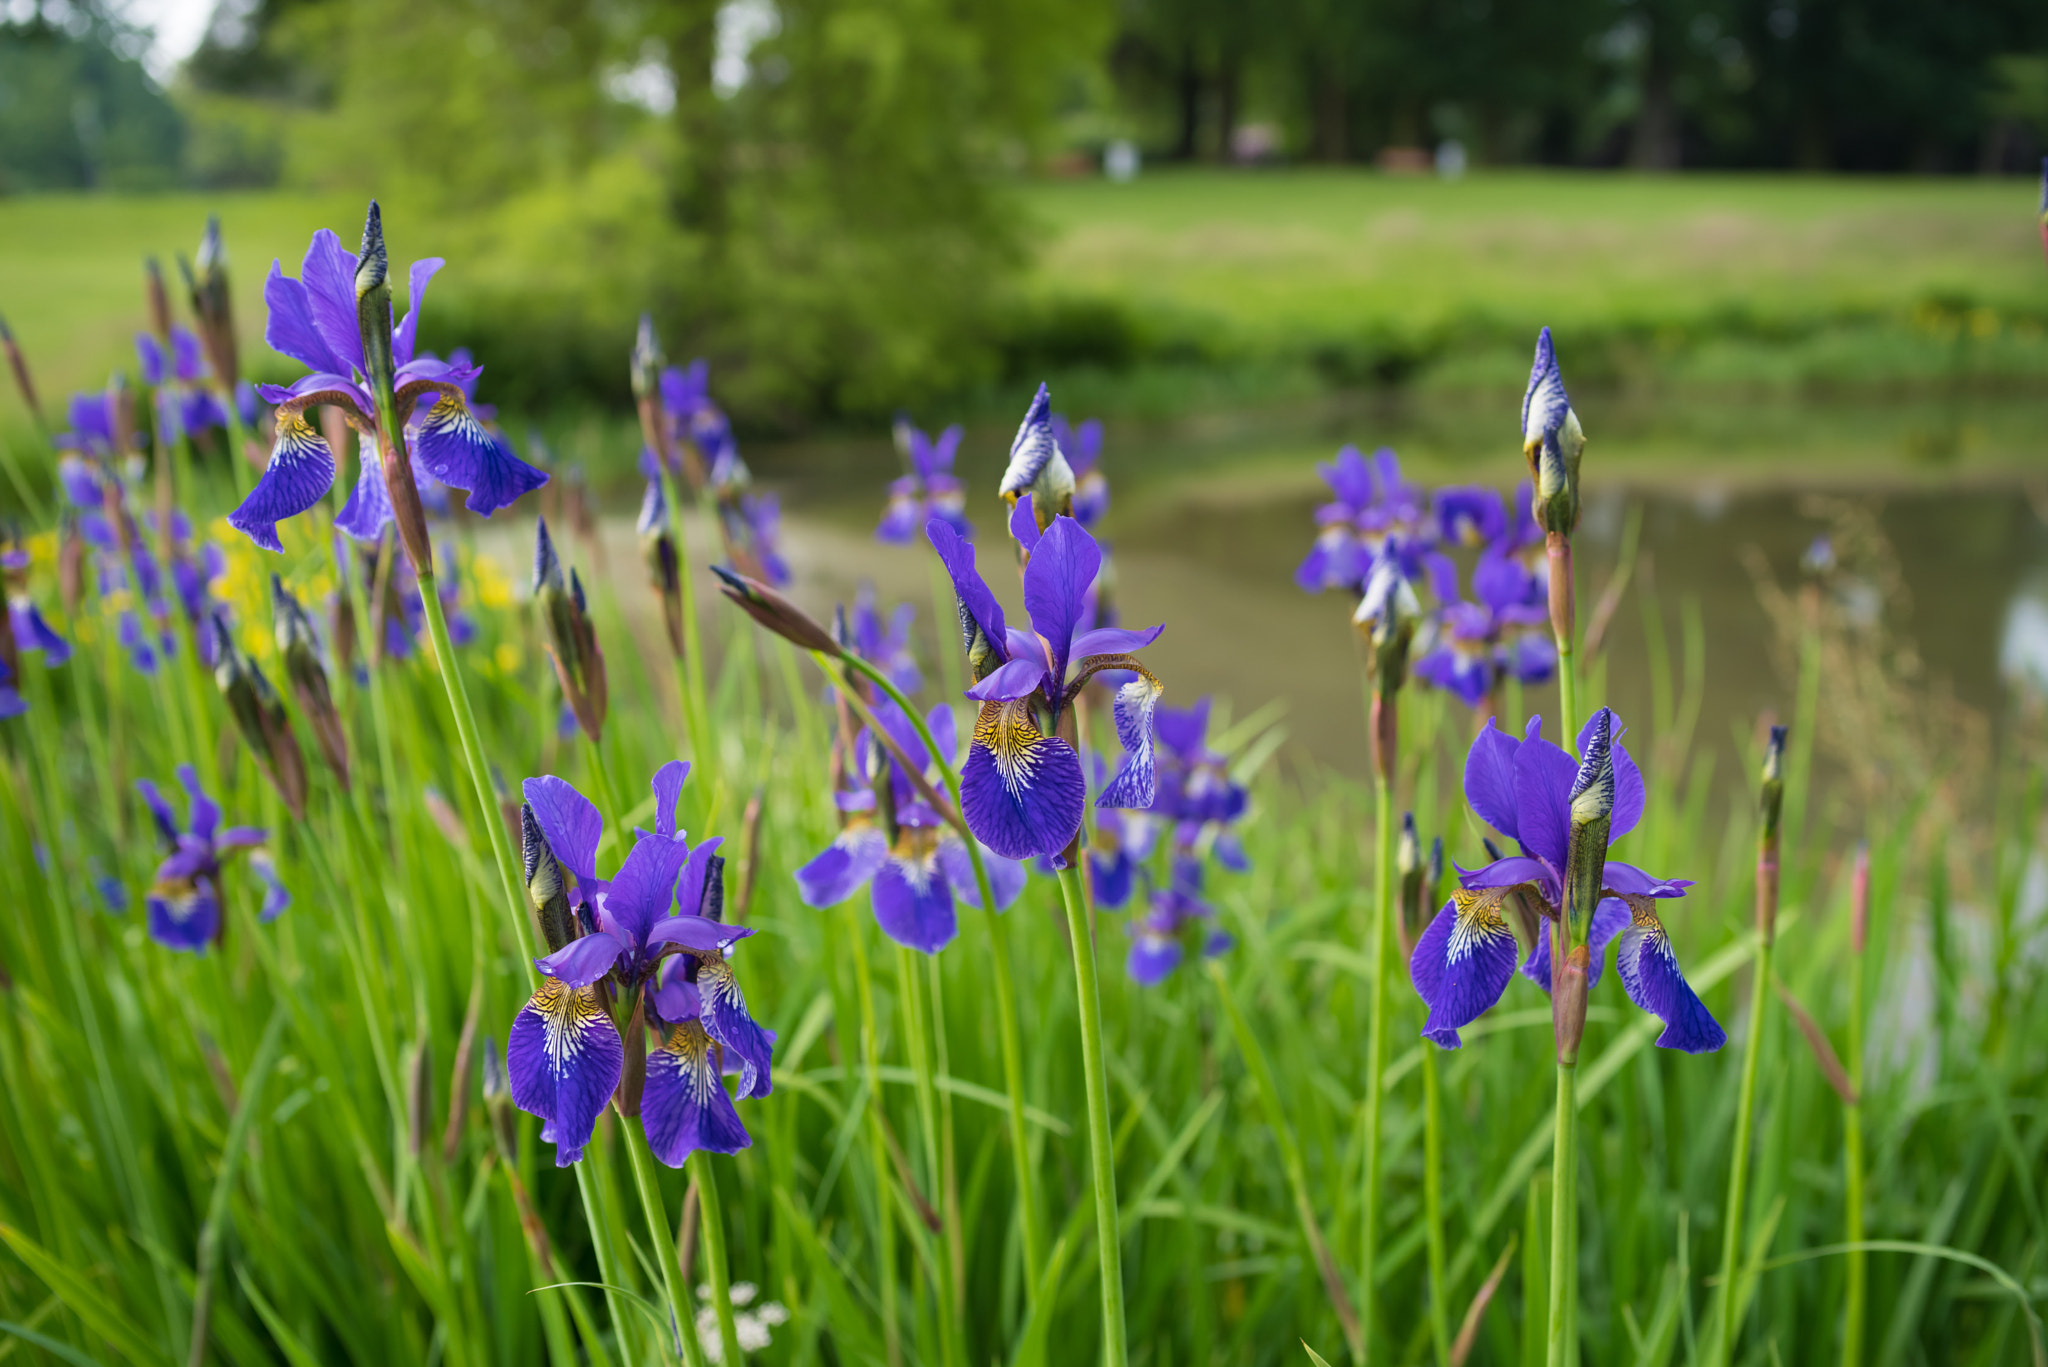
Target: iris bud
[(159, 301), (373, 304), (22, 380), (1389, 612), (545, 887), (1592, 814), (300, 650), (1552, 442), (1568, 1003), (1408, 868), (647, 360), (571, 640), (1770, 808), (775, 612), (260, 716), (664, 571), (1038, 467)]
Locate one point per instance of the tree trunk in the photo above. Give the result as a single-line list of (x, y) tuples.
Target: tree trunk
[(1330, 117), (1189, 145), (1655, 145), (1226, 107)]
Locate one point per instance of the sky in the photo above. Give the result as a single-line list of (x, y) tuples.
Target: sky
[(177, 24)]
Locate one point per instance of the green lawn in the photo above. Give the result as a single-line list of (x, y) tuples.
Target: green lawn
[(1701, 277)]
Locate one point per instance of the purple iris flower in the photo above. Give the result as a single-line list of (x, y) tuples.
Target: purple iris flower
[(185, 405), (1156, 939), (1083, 447), (1470, 515), (92, 427), (184, 901), (313, 320), (890, 649), (1524, 789), (145, 649), (565, 1051), (1501, 634), (930, 489), (1375, 510), (924, 868), (32, 633), (753, 529), (1022, 789), (1196, 791)]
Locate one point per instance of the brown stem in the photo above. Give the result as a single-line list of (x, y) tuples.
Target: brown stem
[(1563, 612)]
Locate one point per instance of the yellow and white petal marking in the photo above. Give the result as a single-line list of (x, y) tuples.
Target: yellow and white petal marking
[(1478, 919), (1007, 730), (693, 1052), (569, 1018)]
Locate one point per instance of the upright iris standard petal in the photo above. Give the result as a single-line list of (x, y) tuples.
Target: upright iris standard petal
[(1056, 584), (1543, 783), (847, 864), (1022, 791), (567, 819), (300, 472), (913, 902), (685, 1106), (329, 273), (1462, 962), (453, 447), (641, 889), (565, 1057), (1650, 975)]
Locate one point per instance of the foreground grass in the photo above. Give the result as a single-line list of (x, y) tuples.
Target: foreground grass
[(371, 1221)]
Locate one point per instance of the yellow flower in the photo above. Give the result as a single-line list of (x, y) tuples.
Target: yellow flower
[(506, 658), (493, 584)]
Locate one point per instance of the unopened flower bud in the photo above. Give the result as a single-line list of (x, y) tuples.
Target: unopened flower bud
[(1770, 808), (260, 717), (775, 612), (1408, 869), (159, 300), (373, 311), (1037, 465), (545, 886), (299, 648), (664, 570), (1552, 442), (18, 363), (647, 359), (212, 306), (571, 640), (1389, 613), (1592, 815)]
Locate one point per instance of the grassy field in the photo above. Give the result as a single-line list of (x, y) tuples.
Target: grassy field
[(1269, 282)]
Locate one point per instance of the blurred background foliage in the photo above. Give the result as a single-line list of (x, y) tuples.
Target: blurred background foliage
[(820, 195)]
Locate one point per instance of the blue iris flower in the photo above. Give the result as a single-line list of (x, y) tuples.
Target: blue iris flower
[(1524, 789), (1503, 632), (1376, 511), (185, 900), (314, 320), (929, 490), (1022, 787), (651, 934)]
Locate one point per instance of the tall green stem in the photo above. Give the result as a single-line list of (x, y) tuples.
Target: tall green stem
[(878, 1142), (661, 1242), (1564, 1222), (918, 1040), (1102, 1152), (1852, 1175), (1376, 1055), (208, 1263), (1738, 1167), (1007, 1031), (717, 1270), (1433, 1208)]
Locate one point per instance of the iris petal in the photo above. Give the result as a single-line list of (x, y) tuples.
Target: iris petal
[(453, 447), (564, 1056), (685, 1107), (847, 863), (727, 1019), (1134, 786), (914, 904), (568, 820), (1462, 963), (1651, 977), (300, 472), (1022, 791), (185, 916), (289, 328), (1005, 876), (1153, 957), (1543, 785)]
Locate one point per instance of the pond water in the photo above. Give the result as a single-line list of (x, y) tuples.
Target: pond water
[(1210, 517)]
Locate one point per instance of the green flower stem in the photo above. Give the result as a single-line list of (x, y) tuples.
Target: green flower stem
[(689, 669), (1102, 1153), (661, 1243), (515, 901), (1738, 1165), (918, 1040), (956, 1238), (1033, 1221), (878, 1143), (1852, 1177), (711, 1231), (1375, 1058), (1433, 1207), (1564, 1222)]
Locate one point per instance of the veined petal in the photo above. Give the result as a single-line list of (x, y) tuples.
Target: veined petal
[(913, 904), (1114, 641), (1628, 880), (1056, 584), (368, 510), (329, 275), (1024, 525), (668, 790), (844, 866), (571, 824), (404, 335), (582, 961), (564, 1055), (1651, 977), (685, 1106), (957, 554), (453, 447), (699, 934), (690, 887), (300, 472), (290, 330), (1462, 962), (1022, 792), (1134, 786), (1543, 785), (727, 1020), (640, 891)]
